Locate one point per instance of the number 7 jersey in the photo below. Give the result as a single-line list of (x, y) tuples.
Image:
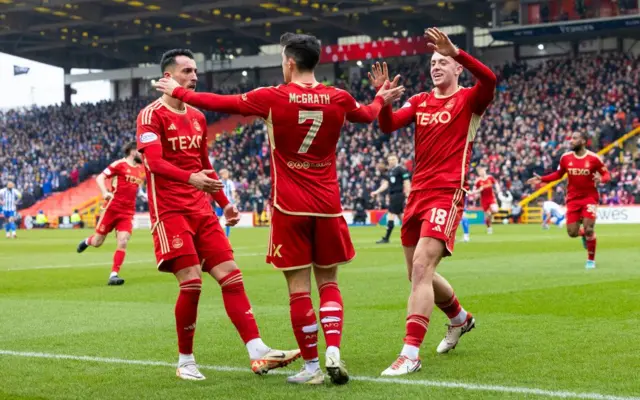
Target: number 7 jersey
[(303, 124)]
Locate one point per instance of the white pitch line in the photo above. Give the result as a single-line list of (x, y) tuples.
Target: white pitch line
[(408, 382), (103, 263)]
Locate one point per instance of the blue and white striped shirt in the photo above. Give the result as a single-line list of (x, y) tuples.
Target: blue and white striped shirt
[(228, 189), (9, 198)]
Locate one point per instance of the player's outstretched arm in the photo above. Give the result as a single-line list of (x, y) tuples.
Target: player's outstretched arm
[(229, 104), (388, 93), (390, 121)]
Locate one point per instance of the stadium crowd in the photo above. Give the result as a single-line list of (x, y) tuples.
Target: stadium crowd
[(523, 132)]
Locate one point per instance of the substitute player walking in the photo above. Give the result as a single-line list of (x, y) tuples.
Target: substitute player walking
[(303, 119), (585, 171), (446, 121), (126, 175), (187, 235)]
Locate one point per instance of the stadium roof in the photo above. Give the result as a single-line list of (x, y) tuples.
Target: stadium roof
[(120, 33)]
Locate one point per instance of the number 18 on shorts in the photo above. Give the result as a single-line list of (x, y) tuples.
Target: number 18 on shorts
[(435, 214)]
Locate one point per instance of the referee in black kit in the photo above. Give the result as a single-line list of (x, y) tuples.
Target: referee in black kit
[(398, 184)]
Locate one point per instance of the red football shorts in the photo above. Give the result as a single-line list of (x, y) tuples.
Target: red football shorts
[(112, 219), (300, 241), (433, 213), (580, 209), (199, 235), (489, 205)]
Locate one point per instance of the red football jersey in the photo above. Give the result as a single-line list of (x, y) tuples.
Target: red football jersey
[(183, 136), (304, 124), (125, 180), (580, 173), (487, 187), (445, 128)]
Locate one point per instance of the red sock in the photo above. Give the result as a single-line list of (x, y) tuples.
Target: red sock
[(417, 326), (237, 305), (581, 231), (186, 313), (450, 307), (118, 259), (591, 247), (331, 313), (89, 240), (305, 326)]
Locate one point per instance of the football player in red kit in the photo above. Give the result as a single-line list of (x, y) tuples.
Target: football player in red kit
[(484, 185), (126, 175), (446, 121), (187, 235), (304, 119), (585, 170)]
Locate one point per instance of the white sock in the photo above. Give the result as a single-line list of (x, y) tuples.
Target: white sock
[(334, 351), (257, 348), (466, 236), (409, 351), (460, 318), (112, 274), (312, 366), (185, 358)]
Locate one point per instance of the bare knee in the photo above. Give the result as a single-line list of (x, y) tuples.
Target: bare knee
[(218, 272), (122, 243), (589, 231), (298, 281), (325, 275), (98, 241), (189, 273)]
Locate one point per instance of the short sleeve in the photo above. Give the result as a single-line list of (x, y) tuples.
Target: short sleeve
[(148, 129)]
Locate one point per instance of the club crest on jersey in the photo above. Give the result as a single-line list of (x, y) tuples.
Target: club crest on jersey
[(177, 243), (196, 125), (586, 164), (450, 104)]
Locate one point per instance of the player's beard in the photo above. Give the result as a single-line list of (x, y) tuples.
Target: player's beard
[(137, 159), (578, 148)]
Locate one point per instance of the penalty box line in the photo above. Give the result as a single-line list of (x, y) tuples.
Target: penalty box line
[(397, 381)]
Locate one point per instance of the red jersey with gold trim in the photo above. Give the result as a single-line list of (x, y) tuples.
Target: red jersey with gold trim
[(125, 180), (486, 184), (304, 125), (445, 129), (182, 135), (580, 173)]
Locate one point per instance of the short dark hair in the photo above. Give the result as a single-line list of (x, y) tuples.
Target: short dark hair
[(584, 135), (169, 58), (128, 148), (304, 49)]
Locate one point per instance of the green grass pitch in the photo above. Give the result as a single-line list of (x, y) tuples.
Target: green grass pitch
[(546, 327)]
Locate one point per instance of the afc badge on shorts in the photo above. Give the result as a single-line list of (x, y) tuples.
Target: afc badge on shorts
[(177, 242)]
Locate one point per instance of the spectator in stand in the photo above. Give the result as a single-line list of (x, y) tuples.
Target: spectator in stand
[(525, 131)]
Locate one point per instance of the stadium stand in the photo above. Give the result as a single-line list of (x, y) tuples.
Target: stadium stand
[(50, 149)]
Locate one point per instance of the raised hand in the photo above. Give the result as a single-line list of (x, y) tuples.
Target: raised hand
[(165, 85), (380, 74), (438, 41), (390, 94)]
